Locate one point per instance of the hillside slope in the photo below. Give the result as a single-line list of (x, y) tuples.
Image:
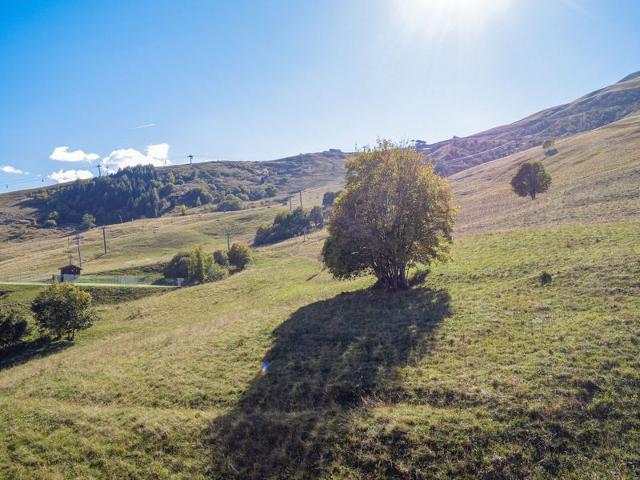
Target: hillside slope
[(268, 182), (595, 178), (589, 112), (481, 373)]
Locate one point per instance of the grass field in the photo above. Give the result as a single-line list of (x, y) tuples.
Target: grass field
[(480, 373), (139, 243)]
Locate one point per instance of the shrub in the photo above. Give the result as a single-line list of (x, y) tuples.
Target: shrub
[(230, 203), (88, 221), (195, 266), (62, 309), (216, 272), (545, 278), (200, 264), (317, 217), (328, 198), (13, 327), (239, 256), (178, 266), (221, 258), (285, 225)]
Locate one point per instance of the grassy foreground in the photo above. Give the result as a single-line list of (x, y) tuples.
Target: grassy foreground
[(480, 373)]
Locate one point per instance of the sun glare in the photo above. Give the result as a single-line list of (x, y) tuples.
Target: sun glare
[(432, 18)]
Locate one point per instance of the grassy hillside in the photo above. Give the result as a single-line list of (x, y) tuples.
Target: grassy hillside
[(595, 178), (592, 111), (23, 211), (138, 243), (481, 373)]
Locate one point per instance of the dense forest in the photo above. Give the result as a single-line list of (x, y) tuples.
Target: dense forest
[(141, 192)]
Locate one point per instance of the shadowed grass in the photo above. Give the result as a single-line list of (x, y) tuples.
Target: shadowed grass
[(328, 358)]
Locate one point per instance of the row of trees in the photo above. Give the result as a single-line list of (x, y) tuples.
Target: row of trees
[(198, 266)]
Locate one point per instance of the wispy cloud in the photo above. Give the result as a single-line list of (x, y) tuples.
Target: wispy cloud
[(156, 155), (62, 154), (62, 176), (146, 125), (14, 170)]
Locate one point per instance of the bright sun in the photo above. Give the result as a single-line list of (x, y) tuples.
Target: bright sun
[(437, 17)]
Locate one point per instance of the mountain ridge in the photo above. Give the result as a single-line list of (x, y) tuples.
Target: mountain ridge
[(591, 111)]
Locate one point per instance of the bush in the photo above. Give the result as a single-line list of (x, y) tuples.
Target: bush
[(239, 256), (62, 309), (195, 266), (285, 225), (221, 258), (200, 264), (317, 217), (178, 266), (88, 221), (328, 198), (230, 203), (216, 272), (12, 327), (545, 278)]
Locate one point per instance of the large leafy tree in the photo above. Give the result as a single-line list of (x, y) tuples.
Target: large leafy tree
[(530, 180), (394, 212)]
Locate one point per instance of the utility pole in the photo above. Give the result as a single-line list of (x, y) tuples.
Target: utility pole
[(104, 238), (79, 252), (99, 170), (190, 157), (300, 198), (304, 232), (228, 240)]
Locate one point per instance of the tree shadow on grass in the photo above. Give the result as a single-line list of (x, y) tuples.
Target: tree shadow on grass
[(26, 351), (328, 359)]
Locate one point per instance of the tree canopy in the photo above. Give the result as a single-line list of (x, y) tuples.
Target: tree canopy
[(62, 309), (530, 180), (394, 213)]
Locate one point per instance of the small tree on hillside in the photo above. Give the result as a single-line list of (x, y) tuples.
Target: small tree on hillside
[(394, 212), (317, 217), (200, 264), (549, 147), (62, 309), (239, 256), (221, 258), (88, 221), (530, 180)]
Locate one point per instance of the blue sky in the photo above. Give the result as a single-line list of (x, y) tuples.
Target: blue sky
[(125, 82)]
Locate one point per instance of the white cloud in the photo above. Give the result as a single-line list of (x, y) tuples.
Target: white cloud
[(146, 125), (62, 176), (62, 154), (10, 169), (156, 155)]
